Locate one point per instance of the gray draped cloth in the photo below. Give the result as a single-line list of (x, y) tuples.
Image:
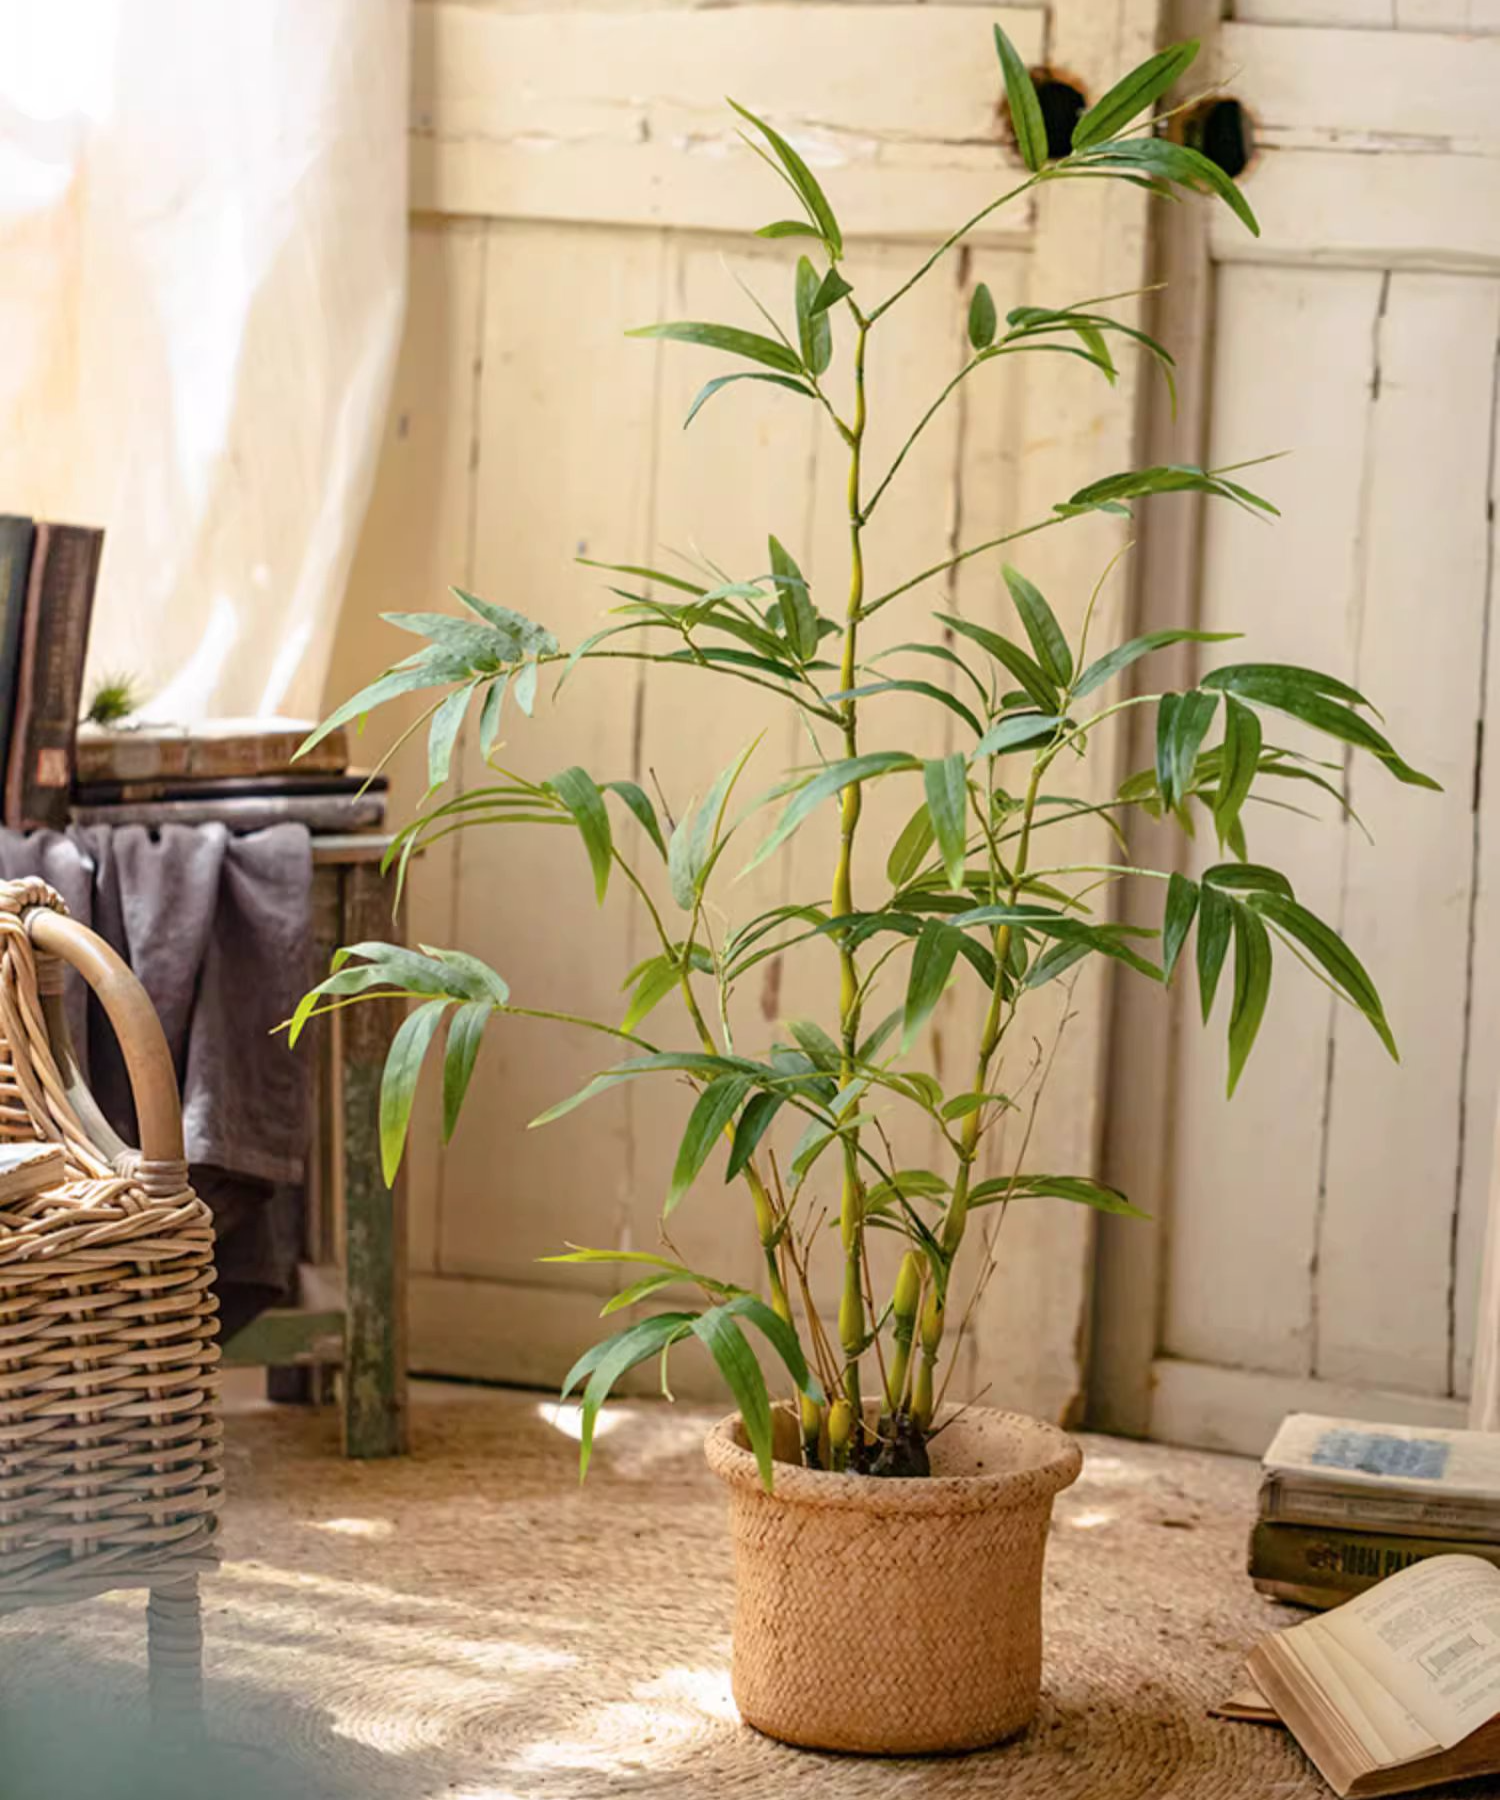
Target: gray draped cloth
[(218, 929)]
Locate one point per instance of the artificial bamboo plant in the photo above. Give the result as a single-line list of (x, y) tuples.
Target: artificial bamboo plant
[(967, 899)]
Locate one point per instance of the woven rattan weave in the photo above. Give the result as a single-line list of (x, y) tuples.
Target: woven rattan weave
[(110, 1441)]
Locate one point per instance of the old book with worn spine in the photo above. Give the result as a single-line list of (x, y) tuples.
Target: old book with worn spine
[(215, 749), (1413, 1481), (49, 690), (1322, 1566), (17, 535)]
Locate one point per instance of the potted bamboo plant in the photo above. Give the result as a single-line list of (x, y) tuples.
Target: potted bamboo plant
[(860, 1497)]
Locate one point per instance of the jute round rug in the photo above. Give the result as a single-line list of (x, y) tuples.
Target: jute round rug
[(470, 1624)]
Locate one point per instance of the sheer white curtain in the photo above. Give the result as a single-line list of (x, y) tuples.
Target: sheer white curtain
[(202, 263)]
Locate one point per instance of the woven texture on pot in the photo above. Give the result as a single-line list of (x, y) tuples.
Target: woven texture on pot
[(895, 1616), (110, 1443)]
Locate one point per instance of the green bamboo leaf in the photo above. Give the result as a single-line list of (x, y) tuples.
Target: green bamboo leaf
[(710, 388), (435, 668), (946, 782), (826, 783), (642, 573), (1273, 682), (635, 1293), (1078, 1188), (1336, 720), (815, 1043), (831, 289), (1132, 96), (1247, 877), (639, 803), (801, 178), (940, 653), (931, 965), (1015, 731), (928, 691), (465, 1031), (1025, 108), (1011, 657), (1056, 961), (753, 1124), (725, 1342), (697, 843), (524, 687), (442, 734), (1161, 159), (657, 977), (1137, 484), (576, 789), (1182, 724), (606, 1362), (1331, 953), (983, 322), (786, 228), (1215, 922), (814, 333), (782, 1339), (878, 1038), (909, 851), (521, 636), (1120, 658), (1182, 907), (799, 622), (685, 1062), (677, 1271), (1046, 635), (1241, 761), (398, 1081), (730, 338), (1252, 983), (489, 715), (711, 1114)]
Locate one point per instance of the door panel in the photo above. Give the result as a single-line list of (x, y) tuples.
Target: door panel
[(1323, 1232), (584, 159)]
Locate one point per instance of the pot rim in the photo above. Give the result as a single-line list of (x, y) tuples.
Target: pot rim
[(734, 1463)]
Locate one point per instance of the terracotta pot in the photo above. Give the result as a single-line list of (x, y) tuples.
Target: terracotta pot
[(895, 1616)]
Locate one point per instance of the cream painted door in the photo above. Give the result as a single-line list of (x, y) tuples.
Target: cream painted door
[(1321, 1236), (574, 174)]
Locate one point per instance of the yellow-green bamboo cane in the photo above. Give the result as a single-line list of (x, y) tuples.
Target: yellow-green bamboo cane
[(906, 1299), (994, 1029), (851, 1208)]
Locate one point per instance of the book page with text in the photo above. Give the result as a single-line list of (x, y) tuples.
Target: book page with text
[(1431, 1636)]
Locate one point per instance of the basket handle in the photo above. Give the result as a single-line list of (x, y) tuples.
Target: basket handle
[(143, 1043)]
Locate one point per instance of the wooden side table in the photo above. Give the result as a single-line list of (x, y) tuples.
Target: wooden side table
[(353, 1315)]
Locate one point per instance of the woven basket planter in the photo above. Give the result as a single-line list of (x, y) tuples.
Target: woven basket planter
[(901, 1616), (110, 1440)]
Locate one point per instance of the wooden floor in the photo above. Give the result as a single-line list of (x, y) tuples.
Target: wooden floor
[(470, 1624)]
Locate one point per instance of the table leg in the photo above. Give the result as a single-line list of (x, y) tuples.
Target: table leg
[(375, 1422)]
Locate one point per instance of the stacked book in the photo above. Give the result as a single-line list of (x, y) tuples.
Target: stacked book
[(1345, 1504), (47, 577), (233, 772)]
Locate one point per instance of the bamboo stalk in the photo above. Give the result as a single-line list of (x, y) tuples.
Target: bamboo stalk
[(851, 1221)]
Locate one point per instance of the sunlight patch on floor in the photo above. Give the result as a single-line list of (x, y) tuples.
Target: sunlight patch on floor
[(364, 1528), (662, 1717)]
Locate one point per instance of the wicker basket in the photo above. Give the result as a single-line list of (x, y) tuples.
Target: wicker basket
[(895, 1616), (110, 1441)]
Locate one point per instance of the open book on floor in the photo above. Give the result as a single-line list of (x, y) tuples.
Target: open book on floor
[(1398, 1688)]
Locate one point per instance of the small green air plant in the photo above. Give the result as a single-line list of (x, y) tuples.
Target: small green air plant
[(967, 900), (116, 698)]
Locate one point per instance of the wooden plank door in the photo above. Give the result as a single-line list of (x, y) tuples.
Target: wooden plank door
[(575, 173), (1322, 1232)]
